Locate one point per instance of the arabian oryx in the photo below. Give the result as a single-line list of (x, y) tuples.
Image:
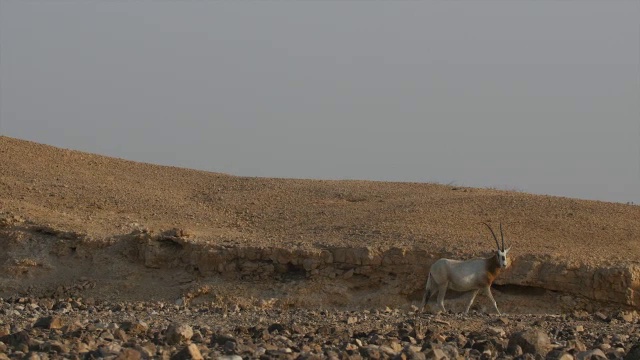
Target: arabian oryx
[(470, 275)]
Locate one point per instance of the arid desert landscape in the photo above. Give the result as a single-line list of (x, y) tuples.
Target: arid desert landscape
[(109, 258)]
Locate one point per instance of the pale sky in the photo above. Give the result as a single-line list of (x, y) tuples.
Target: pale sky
[(539, 96)]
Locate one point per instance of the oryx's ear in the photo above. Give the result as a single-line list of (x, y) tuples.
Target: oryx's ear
[(506, 251)]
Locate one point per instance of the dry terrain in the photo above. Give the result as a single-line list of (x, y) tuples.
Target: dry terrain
[(294, 268)]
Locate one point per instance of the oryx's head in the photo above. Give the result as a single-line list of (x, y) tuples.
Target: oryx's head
[(501, 254)]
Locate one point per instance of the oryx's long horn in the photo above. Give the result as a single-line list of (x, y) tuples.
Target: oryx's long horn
[(502, 236), (494, 234)]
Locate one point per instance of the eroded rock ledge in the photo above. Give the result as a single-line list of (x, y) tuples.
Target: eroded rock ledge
[(34, 250), (619, 284)]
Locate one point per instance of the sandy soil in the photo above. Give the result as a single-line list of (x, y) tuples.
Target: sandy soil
[(103, 196)]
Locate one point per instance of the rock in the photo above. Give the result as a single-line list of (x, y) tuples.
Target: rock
[(56, 346), (178, 333), (222, 339), (190, 352), (532, 341), (450, 351), (579, 328), (49, 322), (413, 353), (129, 354), (634, 353), (595, 354), (576, 345), (110, 349), (604, 347), (580, 314), (371, 352), (601, 316), (229, 357), (387, 350), (120, 335), (558, 355), (276, 327), (436, 354), (618, 353), (134, 328), (496, 331), (15, 338), (628, 316)]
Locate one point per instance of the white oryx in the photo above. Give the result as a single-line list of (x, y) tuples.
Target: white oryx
[(475, 274)]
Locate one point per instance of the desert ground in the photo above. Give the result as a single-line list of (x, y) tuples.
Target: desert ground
[(110, 258)]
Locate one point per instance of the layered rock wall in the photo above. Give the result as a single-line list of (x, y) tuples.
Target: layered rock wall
[(404, 269)]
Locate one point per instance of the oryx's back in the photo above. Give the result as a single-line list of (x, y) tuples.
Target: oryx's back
[(461, 275)]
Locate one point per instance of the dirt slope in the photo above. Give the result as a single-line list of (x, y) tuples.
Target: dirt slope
[(103, 196)]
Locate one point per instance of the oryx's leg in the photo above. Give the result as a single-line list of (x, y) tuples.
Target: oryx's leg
[(427, 293), (473, 297), (495, 305), (442, 291)]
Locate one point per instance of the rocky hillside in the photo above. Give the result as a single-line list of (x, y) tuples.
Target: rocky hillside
[(68, 215)]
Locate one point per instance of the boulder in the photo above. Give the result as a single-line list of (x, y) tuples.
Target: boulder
[(532, 341)]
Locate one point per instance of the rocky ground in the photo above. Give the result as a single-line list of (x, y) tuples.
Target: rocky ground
[(76, 328)]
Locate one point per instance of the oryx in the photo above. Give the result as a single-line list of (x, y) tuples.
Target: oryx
[(468, 275)]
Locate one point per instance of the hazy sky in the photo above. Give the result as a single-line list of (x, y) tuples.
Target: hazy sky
[(539, 96)]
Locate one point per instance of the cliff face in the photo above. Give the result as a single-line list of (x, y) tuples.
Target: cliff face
[(45, 260)]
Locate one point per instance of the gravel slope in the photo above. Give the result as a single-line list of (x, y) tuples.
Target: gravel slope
[(104, 196)]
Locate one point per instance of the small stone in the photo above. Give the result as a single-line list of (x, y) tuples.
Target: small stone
[(120, 335), (496, 331), (387, 350), (580, 314), (634, 353), (579, 328), (595, 354), (129, 354), (178, 332), (133, 328), (371, 352), (190, 352), (436, 354), (110, 349), (576, 345), (601, 316), (532, 341), (395, 346), (275, 327), (559, 355), (352, 320), (229, 357), (222, 339), (15, 338), (413, 353), (49, 322), (628, 316)]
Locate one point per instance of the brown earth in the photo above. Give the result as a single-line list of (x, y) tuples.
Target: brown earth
[(74, 222)]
